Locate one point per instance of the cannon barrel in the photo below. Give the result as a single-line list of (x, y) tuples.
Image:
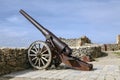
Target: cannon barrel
[(61, 46)]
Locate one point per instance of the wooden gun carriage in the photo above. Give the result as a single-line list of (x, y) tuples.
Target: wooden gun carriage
[(43, 54)]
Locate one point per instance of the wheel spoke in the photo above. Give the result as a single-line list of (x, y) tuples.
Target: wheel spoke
[(44, 59), (44, 51), (39, 62), (34, 58), (32, 55), (45, 55), (43, 62), (35, 47), (36, 61), (34, 51), (39, 47)]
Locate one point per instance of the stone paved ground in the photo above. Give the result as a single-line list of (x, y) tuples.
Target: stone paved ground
[(105, 68)]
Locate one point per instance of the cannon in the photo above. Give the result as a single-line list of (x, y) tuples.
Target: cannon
[(53, 51)]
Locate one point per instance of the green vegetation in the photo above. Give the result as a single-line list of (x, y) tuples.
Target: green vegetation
[(118, 53)]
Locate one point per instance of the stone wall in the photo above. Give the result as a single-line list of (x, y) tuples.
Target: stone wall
[(72, 42), (76, 42), (110, 47), (13, 59), (83, 47), (94, 51)]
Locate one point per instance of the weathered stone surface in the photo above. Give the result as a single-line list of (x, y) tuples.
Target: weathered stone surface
[(93, 51), (13, 59), (82, 41), (82, 48), (118, 39), (76, 42), (110, 47)]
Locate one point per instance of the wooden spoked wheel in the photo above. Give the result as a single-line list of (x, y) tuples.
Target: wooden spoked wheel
[(39, 55)]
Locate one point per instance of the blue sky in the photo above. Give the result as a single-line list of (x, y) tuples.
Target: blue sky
[(97, 19)]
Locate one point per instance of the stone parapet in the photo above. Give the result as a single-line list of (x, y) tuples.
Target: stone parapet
[(93, 51), (76, 42), (13, 59), (110, 47)]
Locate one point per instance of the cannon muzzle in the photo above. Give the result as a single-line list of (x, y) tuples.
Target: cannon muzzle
[(44, 31)]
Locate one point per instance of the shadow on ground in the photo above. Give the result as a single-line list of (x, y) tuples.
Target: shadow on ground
[(104, 54)]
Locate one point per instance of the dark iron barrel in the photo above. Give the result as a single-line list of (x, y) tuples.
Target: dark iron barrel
[(61, 46)]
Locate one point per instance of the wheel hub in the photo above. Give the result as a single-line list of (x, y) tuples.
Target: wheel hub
[(39, 55)]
